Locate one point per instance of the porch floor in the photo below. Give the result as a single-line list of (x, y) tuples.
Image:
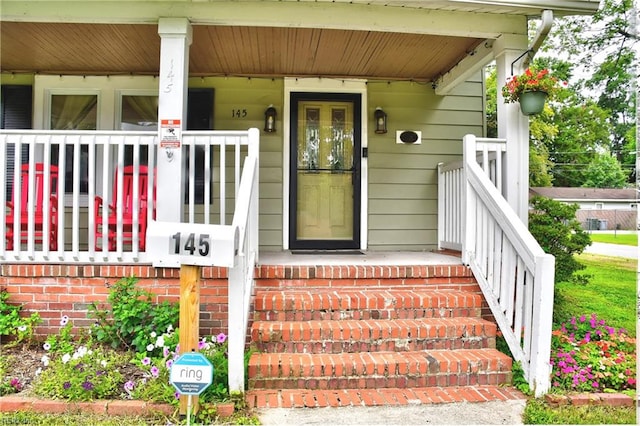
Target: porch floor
[(382, 258)]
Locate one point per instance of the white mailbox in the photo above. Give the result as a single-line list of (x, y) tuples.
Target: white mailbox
[(171, 244)]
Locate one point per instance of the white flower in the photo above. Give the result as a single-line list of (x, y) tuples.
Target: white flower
[(150, 347), (103, 363), (66, 358), (45, 360), (46, 346), (160, 342), (80, 352), (38, 371), (22, 328), (153, 335), (170, 328)]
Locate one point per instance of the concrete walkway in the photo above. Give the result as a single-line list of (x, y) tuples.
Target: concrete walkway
[(459, 413), (616, 250)]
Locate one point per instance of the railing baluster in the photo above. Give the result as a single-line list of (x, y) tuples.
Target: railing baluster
[(119, 197), (91, 194), (4, 147), (223, 182), (192, 181), (207, 183), (135, 227), (62, 167), (75, 204)]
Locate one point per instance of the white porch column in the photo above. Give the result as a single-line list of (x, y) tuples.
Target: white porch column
[(513, 126), (176, 36)]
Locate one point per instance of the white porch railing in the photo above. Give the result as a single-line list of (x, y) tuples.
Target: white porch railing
[(90, 163), (514, 273)]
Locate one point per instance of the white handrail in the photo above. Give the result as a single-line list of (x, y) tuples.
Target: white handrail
[(514, 273), (241, 279)]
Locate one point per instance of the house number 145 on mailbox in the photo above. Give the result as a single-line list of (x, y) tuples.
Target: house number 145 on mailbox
[(191, 243)]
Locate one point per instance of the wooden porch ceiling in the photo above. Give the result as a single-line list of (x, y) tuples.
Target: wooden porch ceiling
[(110, 49)]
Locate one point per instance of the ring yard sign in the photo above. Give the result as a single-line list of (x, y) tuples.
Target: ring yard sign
[(191, 373)]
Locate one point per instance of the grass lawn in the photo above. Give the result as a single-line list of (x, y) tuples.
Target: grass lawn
[(611, 292), (538, 412), (621, 238), (73, 419)]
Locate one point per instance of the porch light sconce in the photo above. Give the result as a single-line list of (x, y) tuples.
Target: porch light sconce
[(380, 118), (270, 119)]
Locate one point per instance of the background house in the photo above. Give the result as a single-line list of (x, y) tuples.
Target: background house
[(600, 208)]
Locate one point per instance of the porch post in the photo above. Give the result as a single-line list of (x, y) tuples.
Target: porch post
[(513, 126), (175, 38)]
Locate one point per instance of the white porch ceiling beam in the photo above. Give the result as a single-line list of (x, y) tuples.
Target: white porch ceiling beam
[(350, 16), (469, 65)]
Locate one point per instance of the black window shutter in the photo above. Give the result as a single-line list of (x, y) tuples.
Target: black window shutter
[(199, 117), (16, 112)]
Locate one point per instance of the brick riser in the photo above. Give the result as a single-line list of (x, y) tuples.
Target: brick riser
[(372, 335), (372, 370), (322, 330), (301, 277), (325, 304)]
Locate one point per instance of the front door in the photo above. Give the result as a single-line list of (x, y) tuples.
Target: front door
[(325, 171)]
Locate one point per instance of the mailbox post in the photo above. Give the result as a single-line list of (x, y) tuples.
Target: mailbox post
[(191, 246)]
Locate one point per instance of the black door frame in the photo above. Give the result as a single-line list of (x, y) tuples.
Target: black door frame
[(294, 243)]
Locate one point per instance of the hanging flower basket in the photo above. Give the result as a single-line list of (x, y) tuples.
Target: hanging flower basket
[(531, 89), (532, 102)]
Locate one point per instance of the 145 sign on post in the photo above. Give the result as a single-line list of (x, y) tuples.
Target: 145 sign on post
[(173, 244), (191, 243)]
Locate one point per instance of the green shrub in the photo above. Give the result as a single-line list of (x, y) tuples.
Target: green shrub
[(12, 324), (555, 227), (133, 317)]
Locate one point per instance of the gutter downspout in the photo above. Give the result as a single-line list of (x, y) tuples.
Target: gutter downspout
[(541, 35)]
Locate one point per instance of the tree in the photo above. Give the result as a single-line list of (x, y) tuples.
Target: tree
[(605, 172), (583, 134), (554, 225), (604, 47)]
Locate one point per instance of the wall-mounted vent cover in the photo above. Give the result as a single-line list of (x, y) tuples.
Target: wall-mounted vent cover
[(410, 137)]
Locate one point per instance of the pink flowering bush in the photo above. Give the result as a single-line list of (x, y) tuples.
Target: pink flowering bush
[(589, 356)]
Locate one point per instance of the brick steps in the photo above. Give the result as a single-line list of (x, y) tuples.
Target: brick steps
[(379, 369), (348, 336), (372, 335), (332, 304), (303, 398)]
